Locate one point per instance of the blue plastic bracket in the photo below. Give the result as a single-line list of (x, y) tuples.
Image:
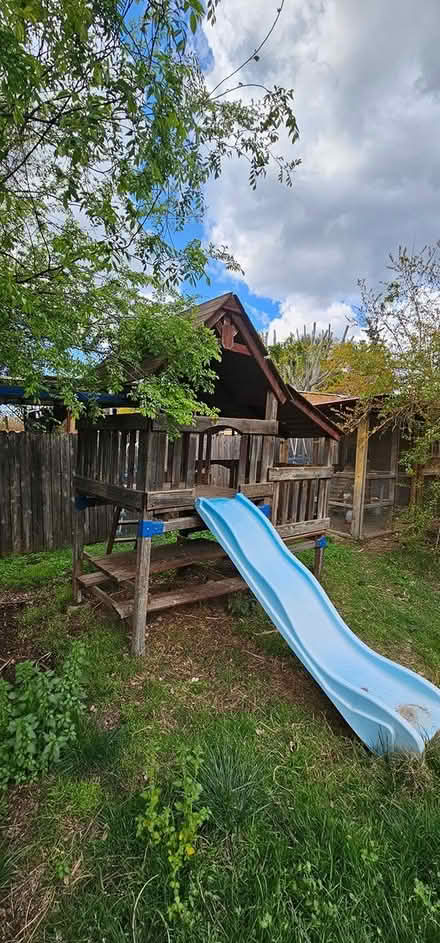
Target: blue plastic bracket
[(81, 502), (266, 510), (321, 542), (150, 528)]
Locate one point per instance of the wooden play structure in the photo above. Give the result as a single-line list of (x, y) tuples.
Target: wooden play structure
[(129, 462)]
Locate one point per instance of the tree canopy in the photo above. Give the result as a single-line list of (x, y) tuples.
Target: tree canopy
[(403, 319), (304, 359), (108, 134)]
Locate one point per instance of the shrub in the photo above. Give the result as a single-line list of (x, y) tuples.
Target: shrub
[(38, 717), (419, 523)]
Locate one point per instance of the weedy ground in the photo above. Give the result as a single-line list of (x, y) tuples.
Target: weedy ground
[(309, 838)]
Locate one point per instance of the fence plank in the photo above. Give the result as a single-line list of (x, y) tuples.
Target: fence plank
[(26, 492), (15, 492), (5, 512)]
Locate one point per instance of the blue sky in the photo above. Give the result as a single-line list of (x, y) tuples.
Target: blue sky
[(367, 101)]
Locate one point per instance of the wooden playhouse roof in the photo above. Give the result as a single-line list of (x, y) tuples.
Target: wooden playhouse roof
[(246, 373)]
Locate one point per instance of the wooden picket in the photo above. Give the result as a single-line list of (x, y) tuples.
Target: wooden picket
[(36, 494)]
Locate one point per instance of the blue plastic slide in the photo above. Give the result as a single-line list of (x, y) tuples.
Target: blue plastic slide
[(388, 706)]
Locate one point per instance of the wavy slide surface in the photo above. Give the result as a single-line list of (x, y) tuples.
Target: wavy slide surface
[(389, 707)]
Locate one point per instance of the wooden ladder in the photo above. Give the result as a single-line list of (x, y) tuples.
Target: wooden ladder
[(117, 522)]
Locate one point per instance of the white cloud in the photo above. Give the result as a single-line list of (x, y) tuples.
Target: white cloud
[(367, 91), (299, 310)]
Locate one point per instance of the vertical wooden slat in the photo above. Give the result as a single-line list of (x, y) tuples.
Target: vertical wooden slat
[(131, 459), (66, 506), (292, 514), (55, 450), (253, 458), (26, 491), (313, 492), (302, 510), (176, 468), (243, 461), (142, 458), (275, 503), (190, 460), (15, 495), (284, 501), (46, 491), (198, 477), (123, 443), (207, 459), (5, 513), (169, 461), (161, 449), (37, 499)]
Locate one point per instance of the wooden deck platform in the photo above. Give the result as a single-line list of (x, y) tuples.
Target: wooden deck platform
[(121, 567)]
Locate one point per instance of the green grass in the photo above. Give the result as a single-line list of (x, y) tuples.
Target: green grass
[(310, 838)]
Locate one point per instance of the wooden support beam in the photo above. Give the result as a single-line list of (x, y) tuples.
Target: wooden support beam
[(258, 490), (140, 602), (304, 527), (360, 472), (163, 500), (209, 424), (183, 523), (300, 472), (394, 461), (113, 494)]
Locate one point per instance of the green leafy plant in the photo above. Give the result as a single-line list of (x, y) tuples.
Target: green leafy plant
[(419, 523), (38, 717), (175, 826)]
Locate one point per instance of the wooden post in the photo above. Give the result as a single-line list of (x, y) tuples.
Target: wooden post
[(77, 550), (271, 409), (320, 545), (140, 604), (394, 463), (284, 451), (359, 478), (416, 487)]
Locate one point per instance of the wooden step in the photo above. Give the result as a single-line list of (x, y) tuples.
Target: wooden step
[(116, 605), (122, 566), (181, 597), (92, 579)]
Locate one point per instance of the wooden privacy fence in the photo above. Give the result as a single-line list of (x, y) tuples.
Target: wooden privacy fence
[(36, 494)]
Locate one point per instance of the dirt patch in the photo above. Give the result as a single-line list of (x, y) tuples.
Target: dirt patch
[(15, 643), (203, 648)]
